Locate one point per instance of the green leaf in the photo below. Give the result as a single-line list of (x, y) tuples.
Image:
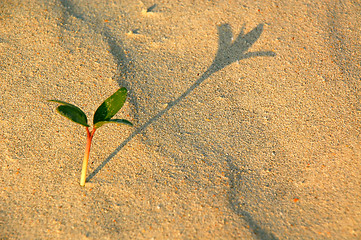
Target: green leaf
[(118, 121), (65, 103), (71, 112), (110, 106)]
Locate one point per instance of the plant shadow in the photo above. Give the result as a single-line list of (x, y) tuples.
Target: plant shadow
[(228, 52)]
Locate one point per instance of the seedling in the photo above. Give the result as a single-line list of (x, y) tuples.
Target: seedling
[(102, 116)]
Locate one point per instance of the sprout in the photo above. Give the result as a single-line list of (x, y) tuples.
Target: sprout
[(102, 116)]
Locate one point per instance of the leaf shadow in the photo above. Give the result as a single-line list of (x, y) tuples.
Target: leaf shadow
[(228, 52)]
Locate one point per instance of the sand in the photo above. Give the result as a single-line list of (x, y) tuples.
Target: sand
[(246, 119)]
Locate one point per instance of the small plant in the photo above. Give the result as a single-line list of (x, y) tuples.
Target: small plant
[(102, 115)]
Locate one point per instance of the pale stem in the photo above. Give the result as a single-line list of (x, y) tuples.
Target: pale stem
[(86, 155)]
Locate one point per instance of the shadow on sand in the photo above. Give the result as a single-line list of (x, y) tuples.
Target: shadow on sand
[(234, 176), (228, 52)]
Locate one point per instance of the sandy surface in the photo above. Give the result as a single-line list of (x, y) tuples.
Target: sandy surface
[(247, 119)]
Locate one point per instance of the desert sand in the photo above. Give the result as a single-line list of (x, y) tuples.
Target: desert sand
[(246, 119)]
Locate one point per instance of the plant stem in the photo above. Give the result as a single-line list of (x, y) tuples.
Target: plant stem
[(86, 155)]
